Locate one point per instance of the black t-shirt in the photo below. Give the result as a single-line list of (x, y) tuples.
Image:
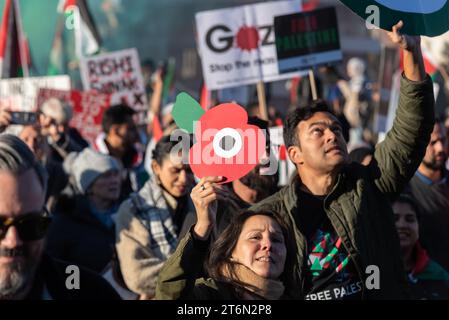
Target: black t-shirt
[(331, 274)]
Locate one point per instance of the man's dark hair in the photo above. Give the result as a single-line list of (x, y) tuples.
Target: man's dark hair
[(118, 114), (17, 158), (294, 117)]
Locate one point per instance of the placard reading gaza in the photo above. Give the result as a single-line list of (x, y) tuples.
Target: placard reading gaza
[(118, 74), (237, 44), (307, 39), (20, 94)]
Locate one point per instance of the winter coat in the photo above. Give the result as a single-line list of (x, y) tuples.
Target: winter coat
[(359, 206)]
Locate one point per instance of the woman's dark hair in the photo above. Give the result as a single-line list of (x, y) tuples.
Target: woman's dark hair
[(221, 251), (167, 143), (408, 199)]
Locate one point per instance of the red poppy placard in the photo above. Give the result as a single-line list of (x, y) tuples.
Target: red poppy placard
[(225, 144)]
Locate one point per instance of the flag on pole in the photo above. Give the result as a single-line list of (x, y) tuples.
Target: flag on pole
[(168, 78), (14, 50), (430, 63), (76, 36), (157, 129)]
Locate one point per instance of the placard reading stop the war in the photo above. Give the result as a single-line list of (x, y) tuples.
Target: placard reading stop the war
[(118, 74), (237, 45)]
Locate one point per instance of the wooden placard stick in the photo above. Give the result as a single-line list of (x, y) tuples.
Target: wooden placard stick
[(262, 100)]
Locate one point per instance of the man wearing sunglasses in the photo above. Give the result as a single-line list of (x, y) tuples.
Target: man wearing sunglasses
[(26, 272)]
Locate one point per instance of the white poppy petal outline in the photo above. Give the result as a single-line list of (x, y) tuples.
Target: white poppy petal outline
[(238, 143)]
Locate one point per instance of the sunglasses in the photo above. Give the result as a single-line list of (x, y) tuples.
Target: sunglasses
[(30, 227)]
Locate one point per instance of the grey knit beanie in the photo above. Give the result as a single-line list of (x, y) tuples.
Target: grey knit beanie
[(86, 166)]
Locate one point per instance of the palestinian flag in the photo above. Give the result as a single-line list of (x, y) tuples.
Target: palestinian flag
[(430, 64), (76, 36), (14, 54)]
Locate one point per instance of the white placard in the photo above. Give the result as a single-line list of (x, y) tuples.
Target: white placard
[(119, 74), (237, 45), (20, 94)]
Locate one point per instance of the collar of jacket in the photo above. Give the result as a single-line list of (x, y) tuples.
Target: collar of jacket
[(422, 260), (50, 276), (292, 198)]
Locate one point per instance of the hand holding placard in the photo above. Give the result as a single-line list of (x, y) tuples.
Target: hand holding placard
[(223, 123)]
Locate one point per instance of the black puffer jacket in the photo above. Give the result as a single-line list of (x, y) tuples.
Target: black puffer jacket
[(78, 237)]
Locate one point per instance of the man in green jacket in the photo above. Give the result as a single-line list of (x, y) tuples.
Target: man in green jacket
[(340, 213)]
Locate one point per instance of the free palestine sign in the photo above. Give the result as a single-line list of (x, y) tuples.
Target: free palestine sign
[(421, 17), (307, 39)]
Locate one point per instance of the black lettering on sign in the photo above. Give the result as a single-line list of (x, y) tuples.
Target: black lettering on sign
[(224, 42), (110, 66), (138, 98), (268, 30)]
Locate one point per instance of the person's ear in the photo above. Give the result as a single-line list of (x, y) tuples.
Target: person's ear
[(295, 154), (156, 169)]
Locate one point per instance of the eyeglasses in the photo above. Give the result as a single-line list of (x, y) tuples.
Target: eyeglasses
[(30, 227)]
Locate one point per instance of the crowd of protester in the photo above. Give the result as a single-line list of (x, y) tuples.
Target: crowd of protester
[(139, 225)]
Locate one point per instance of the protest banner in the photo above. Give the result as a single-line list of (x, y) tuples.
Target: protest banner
[(420, 17), (46, 93), (20, 94), (119, 75), (88, 108), (237, 44), (307, 39)]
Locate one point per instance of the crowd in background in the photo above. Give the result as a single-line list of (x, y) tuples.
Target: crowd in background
[(123, 209)]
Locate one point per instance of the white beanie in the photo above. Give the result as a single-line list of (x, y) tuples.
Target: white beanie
[(87, 166)]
